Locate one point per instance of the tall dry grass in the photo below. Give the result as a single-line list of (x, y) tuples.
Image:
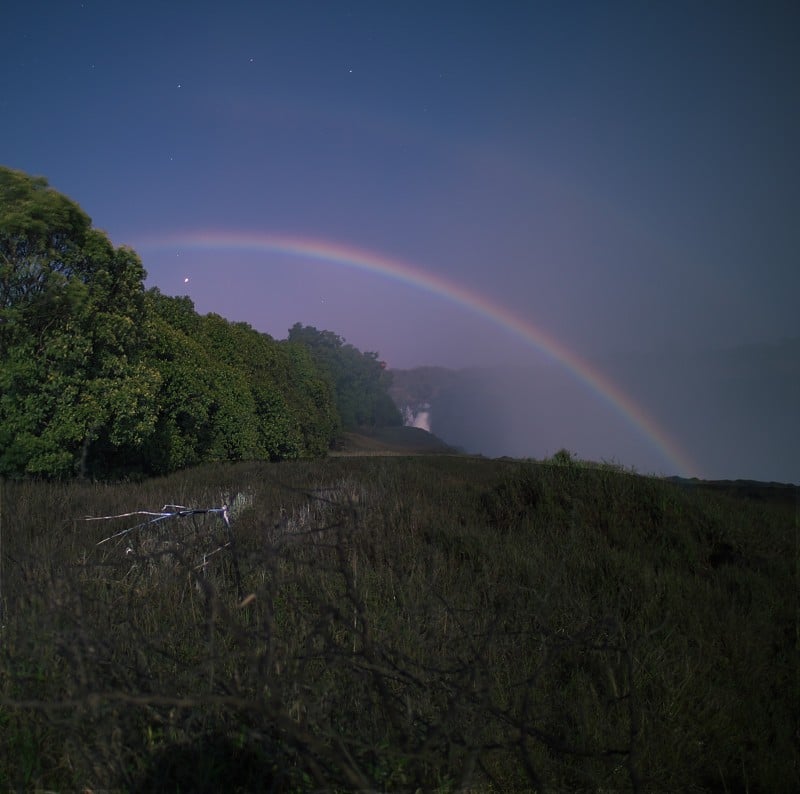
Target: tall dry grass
[(398, 623)]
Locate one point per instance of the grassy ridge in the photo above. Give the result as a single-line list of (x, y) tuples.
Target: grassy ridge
[(390, 441), (389, 623)]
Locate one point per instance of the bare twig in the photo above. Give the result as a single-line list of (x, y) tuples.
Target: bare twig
[(166, 512)]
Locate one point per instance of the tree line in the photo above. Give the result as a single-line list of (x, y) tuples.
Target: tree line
[(100, 377)]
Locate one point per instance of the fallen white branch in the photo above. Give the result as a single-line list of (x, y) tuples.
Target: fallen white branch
[(167, 511), (189, 544)]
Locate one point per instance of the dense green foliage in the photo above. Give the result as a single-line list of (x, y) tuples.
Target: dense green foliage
[(72, 372), (101, 378), (399, 624), (360, 380), (231, 393)]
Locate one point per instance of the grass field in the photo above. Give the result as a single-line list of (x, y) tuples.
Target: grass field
[(400, 622)]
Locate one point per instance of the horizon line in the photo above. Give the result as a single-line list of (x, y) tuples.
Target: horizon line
[(373, 262)]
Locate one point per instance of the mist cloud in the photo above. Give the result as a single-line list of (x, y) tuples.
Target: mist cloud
[(733, 411)]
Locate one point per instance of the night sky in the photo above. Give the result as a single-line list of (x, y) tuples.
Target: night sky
[(622, 177)]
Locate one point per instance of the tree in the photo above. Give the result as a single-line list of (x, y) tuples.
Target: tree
[(359, 380), (230, 392), (294, 406), (73, 382), (42, 234), (99, 378)]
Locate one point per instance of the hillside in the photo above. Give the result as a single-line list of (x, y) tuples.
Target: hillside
[(389, 441), (398, 622)]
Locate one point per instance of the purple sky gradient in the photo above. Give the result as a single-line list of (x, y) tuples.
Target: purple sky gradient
[(623, 175)]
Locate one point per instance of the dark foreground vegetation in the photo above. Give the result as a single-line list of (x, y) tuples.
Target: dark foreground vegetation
[(394, 623)]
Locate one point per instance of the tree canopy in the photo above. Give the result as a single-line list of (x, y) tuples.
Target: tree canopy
[(100, 377), (71, 342), (360, 380)]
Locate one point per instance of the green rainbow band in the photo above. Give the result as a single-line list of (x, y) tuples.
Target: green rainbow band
[(372, 262)]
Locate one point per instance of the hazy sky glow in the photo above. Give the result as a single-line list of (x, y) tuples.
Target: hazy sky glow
[(620, 177)]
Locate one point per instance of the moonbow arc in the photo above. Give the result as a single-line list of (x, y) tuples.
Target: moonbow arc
[(373, 262)]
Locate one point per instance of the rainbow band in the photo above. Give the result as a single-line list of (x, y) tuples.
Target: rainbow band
[(326, 251)]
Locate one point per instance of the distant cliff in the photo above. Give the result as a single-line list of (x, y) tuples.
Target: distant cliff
[(460, 406), (415, 390)]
